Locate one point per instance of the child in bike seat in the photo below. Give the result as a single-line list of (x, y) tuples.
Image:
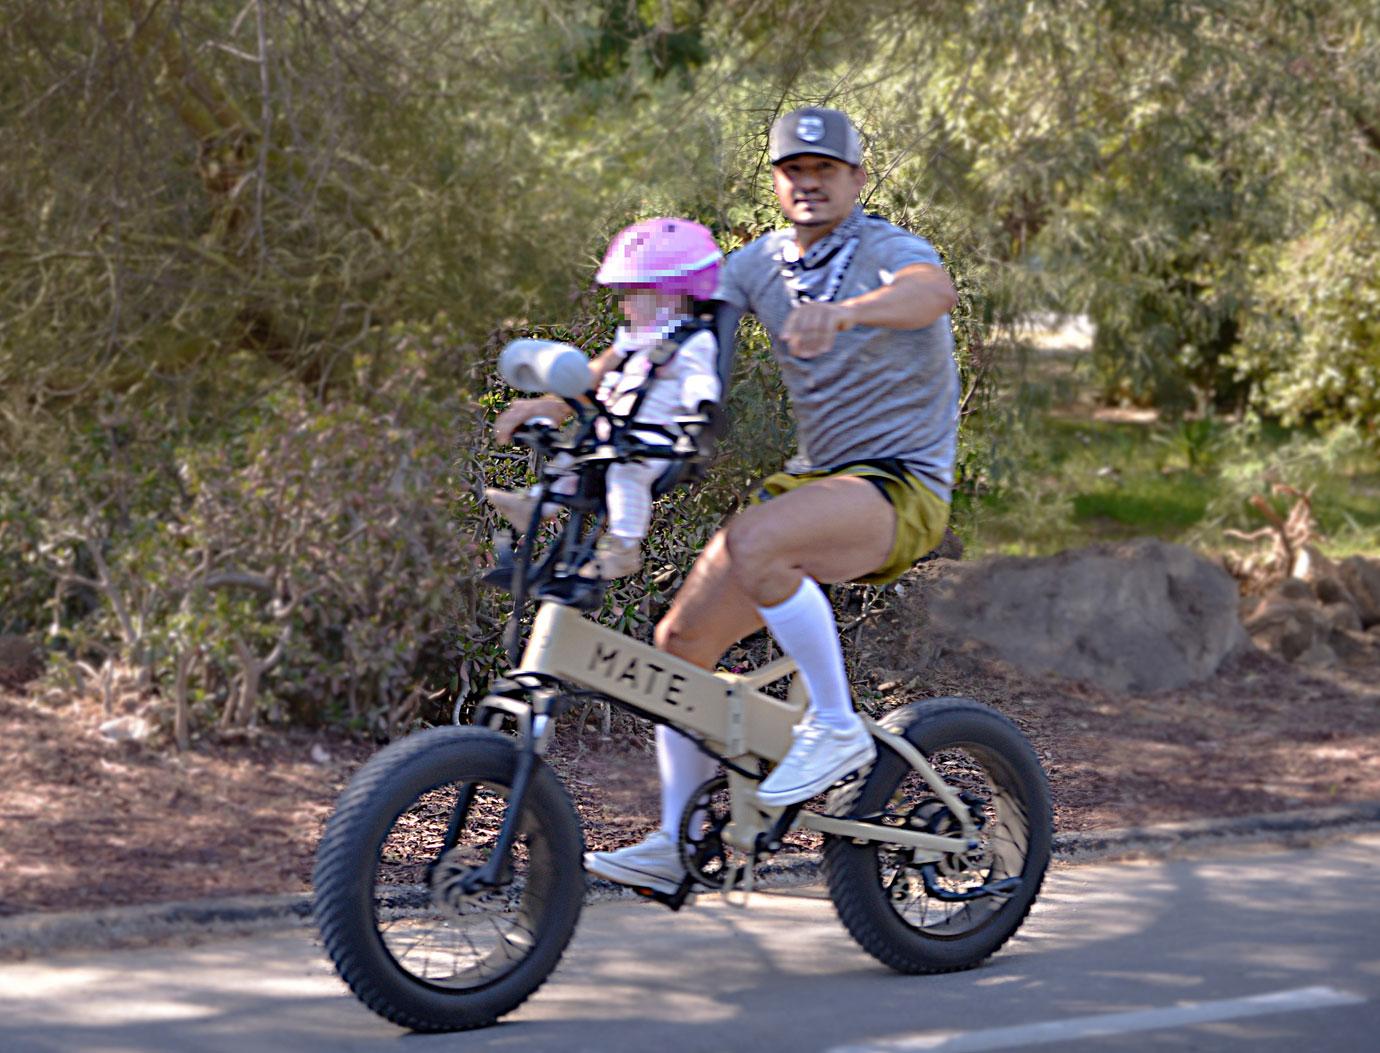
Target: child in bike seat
[(662, 356)]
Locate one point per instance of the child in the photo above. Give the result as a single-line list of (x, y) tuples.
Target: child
[(658, 267)]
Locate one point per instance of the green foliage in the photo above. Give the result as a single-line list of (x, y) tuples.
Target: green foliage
[(1337, 466), (250, 299), (317, 542), (1060, 482), (1313, 351)]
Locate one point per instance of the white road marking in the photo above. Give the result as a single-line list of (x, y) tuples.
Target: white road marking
[(1109, 1023)]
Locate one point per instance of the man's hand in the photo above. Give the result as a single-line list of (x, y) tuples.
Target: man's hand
[(521, 411), (810, 328)]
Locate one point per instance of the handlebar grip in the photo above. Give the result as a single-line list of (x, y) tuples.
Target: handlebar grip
[(545, 365)]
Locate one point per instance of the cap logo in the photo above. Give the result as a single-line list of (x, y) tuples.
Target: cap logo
[(811, 129)]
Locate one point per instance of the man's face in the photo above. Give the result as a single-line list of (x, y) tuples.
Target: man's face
[(817, 191)]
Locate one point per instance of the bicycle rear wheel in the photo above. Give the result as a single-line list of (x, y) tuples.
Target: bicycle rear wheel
[(419, 816), (950, 915)]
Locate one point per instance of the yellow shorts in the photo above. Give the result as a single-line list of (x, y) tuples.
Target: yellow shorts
[(921, 514)]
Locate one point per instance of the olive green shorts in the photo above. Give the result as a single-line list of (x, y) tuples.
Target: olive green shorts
[(921, 514)]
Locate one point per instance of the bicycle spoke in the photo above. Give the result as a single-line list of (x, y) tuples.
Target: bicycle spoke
[(436, 932), (1003, 834)]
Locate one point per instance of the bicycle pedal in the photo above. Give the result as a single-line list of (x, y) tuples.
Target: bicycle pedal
[(671, 900)]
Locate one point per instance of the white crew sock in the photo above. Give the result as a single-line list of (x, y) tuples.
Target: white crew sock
[(804, 626), (683, 767)]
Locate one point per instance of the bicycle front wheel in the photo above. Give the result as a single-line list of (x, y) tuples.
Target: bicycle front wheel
[(928, 916), (420, 815)]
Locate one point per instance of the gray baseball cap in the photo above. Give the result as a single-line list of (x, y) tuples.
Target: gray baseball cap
[(814, 130)]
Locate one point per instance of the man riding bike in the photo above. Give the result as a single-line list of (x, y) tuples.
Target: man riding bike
[(857, 310)]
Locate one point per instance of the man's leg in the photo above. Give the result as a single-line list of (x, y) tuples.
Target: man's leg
[(827, 531), (764, 567), (830, 530)]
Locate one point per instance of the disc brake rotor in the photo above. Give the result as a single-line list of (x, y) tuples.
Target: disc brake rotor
[(446, 879)]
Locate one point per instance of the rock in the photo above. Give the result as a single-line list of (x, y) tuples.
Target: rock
[(1329, 589), (950, 546), (1319, 656), (126, 729), (21, 660), (1342, 615), (1293, 589), (1139, 616), (1361, 577), (1289, 628), (1354, 647)]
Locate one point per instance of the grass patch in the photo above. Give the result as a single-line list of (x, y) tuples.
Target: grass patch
[(1058, 481), (1148, 506)]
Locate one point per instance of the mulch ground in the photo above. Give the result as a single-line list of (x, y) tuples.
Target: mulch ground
[(87, 823)]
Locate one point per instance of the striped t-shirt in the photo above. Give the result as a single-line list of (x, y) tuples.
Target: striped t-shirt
[(879, 393)]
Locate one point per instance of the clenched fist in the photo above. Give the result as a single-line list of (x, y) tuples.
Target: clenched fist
[(810, 328)]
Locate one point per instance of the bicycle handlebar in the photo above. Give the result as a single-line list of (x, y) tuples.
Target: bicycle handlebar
[(546, 365)]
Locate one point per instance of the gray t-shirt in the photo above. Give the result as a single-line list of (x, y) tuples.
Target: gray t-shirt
[(879, 393)]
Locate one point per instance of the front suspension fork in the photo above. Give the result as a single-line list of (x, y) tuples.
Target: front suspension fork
[(534, 721)]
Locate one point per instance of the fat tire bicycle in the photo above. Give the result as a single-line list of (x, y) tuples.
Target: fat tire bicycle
[(449, 879)]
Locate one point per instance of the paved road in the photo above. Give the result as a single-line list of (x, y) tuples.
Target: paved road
[(1267, 951)]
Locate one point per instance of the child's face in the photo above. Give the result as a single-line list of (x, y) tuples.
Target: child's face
[(646, 308)]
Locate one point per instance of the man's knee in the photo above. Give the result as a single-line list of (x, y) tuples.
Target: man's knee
[(752, 547)]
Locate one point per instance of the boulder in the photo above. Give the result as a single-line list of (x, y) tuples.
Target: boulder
[(1343, 615), (1289, 628), (21, 660), (1293, 589), (1361, 577), (1318, 656), (1140, 616), (1354, 647), (1329, 590)]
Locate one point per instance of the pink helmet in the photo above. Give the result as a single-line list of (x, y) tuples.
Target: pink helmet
[(676, 256)]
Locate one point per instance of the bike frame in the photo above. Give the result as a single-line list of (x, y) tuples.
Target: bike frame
[(726, 713)]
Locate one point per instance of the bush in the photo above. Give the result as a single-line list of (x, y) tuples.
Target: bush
[(1313, 351), (307, 562)]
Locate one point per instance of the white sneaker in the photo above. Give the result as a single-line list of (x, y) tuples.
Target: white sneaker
[(515, 507), (820, 756), (654, 864)]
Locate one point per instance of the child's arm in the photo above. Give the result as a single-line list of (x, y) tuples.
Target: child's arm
[(520, 411)]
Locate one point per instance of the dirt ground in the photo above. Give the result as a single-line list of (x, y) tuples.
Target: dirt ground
[(86, 823)]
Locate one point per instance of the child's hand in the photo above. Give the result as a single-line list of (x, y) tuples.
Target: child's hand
[(521, 411)]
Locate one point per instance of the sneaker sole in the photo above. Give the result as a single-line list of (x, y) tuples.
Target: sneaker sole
[(621, 875), (777, 798)]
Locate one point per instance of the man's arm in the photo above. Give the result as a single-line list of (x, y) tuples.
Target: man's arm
[(918, 295), (520, 411)]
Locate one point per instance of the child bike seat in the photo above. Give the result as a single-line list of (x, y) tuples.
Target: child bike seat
[(722, 319)]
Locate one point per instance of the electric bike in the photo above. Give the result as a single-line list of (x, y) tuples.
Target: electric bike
[(449, 879)]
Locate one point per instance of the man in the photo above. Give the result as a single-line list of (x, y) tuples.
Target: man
[(857, 310)]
